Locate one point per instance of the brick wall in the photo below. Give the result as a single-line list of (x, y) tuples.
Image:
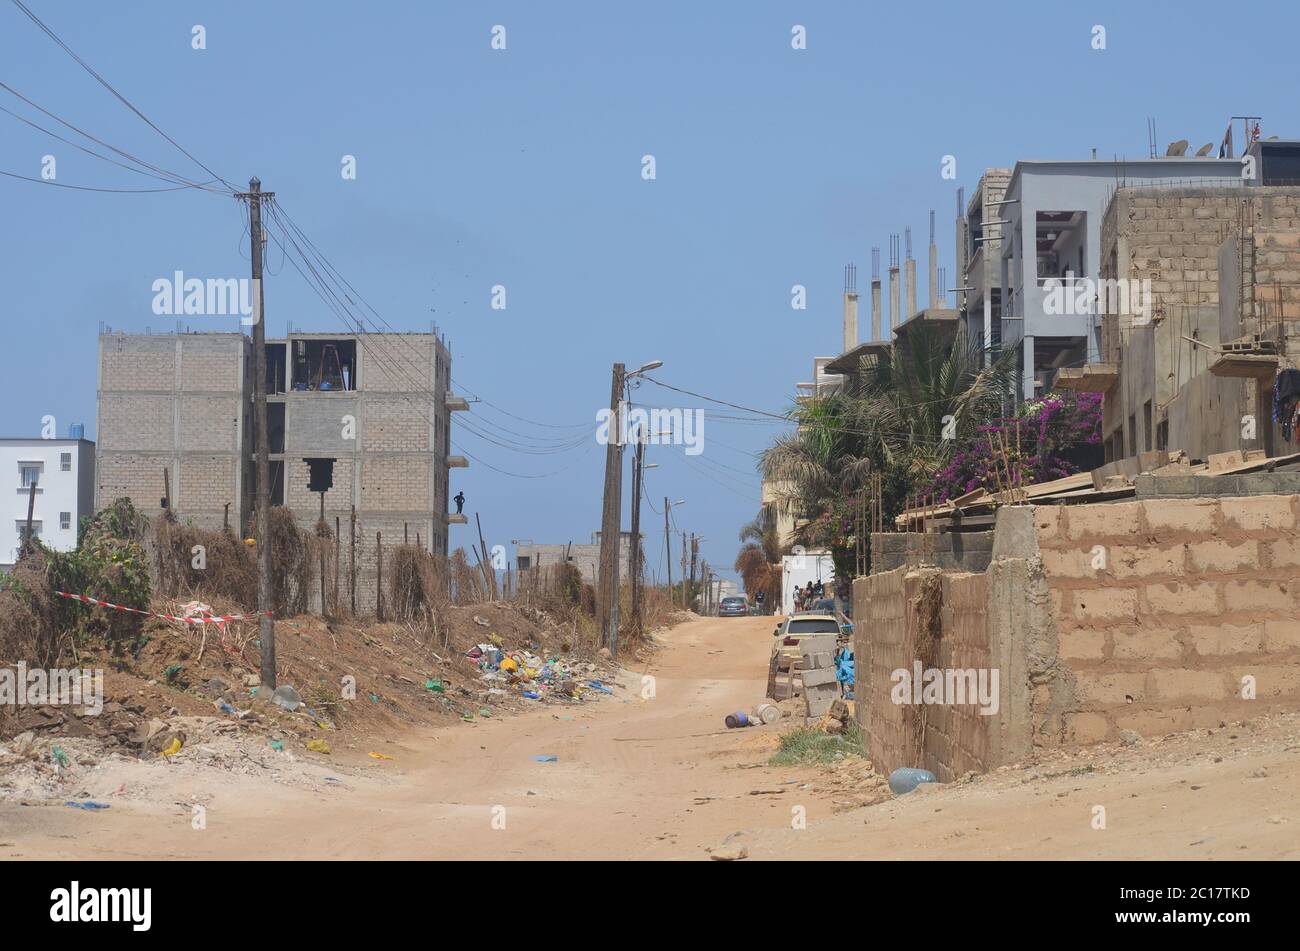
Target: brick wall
[(947, 739), (1163, 606)]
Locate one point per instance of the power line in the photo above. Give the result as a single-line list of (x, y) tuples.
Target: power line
[(107, 85)]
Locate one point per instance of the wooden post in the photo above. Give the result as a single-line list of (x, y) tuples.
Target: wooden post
[(379, 576), (225, 519), (31, 508), (487, 563), (320, 541), (338, 545), (406, 534), (352, 561), (167, 489)]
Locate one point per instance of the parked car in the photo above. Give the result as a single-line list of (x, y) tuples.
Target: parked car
[(786, 637), (785, 643), (734, 606)]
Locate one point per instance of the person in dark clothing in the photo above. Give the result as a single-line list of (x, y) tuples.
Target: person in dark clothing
[(459, 499)]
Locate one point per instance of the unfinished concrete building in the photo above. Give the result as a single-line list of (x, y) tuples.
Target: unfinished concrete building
[(356, 423), (1189, 364), (979, 257)]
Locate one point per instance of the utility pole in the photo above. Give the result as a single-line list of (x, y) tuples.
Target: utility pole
[(607, 602), (262, 468), (634, 568), (686, 606), (668, 550), (695, 551)]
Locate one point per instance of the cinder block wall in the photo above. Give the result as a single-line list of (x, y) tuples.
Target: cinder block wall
[(1164, 606), (947, 740), (174, 402), (1157, 616)]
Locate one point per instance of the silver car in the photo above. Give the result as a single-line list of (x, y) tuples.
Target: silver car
[(733, 607)]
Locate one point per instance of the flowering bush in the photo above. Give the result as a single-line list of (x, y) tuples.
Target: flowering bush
[(1048, 438)]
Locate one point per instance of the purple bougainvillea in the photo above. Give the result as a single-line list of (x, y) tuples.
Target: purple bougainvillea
[(1059, 435)]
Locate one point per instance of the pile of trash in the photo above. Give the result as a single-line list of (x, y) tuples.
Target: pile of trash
[(552, 679)]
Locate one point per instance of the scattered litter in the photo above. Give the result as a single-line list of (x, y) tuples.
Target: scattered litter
[(286, 697), (60, 756), (434, 685), (277, 745), (737, 719), (318, 746), (373, 755), (532, 695), (172, 748), (88, 804), (597, 685), (545, 758), (905, 779), (482, 621)]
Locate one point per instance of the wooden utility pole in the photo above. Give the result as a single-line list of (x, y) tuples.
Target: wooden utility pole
[(634, 566), (686, 605), (262, 468), (320, 540), (338, 550), (607, 601), (695, 552), (31, 510), (352, 561), (668, 550)]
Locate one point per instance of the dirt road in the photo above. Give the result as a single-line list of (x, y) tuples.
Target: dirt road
[(660, 777)]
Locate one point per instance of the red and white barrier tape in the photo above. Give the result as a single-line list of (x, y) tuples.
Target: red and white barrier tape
[(208, 619)]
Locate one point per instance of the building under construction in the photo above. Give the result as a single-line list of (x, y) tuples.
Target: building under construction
[(358, 426)]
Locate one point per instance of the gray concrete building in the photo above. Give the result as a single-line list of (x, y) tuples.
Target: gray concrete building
[(1051, 227), (354, 420), (584, 557)]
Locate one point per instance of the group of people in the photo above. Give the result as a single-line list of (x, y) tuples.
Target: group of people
[(805, 598)]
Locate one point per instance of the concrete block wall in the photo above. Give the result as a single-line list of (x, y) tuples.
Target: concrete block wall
[(959, 551), (175, 402), (948, 740), (958, 737), (1156, 615), (1164, 606)]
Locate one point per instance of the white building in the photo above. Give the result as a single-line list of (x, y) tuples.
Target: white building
[(64, 473)]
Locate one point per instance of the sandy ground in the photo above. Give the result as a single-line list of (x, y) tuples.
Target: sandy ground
[(660, 777)]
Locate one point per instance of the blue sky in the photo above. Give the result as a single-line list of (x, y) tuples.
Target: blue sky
[(522, 168)]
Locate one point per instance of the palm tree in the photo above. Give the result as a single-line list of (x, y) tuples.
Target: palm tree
[(759, 560), (900, 417)]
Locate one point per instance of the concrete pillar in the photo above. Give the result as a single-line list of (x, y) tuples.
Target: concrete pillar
[(934, 276), (875, 310), (909, 269), (894, 304), (850, 320)]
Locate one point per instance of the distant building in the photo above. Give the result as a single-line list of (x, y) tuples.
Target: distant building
[(64, 473), (362, 420), (585, 557)]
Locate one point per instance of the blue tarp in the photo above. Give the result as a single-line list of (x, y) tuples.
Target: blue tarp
[(844, 667)]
